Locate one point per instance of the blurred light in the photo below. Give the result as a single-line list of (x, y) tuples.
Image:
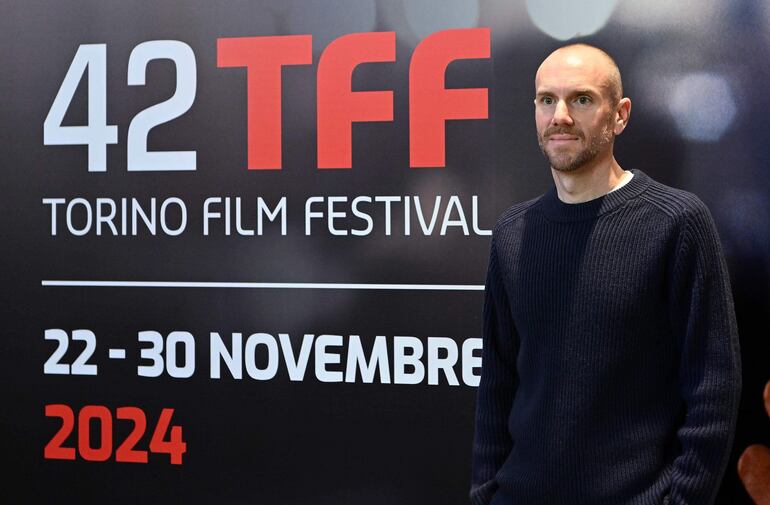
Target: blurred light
[(414, 20), (702, 105), (566, 19), (680, 16), (328, 19), (651, 75), (508, 20), (426, 17)]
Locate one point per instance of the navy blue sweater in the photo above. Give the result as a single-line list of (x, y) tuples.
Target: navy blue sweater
[(610, 367)]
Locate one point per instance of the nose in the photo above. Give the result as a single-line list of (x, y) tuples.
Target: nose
[(561, 114)]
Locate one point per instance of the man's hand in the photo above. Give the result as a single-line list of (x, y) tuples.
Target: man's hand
[(754, 465)]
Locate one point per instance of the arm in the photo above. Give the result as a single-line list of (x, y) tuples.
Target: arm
[(492, 442), (703, 320)]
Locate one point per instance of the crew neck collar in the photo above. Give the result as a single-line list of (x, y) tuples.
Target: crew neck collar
[(556, 210)]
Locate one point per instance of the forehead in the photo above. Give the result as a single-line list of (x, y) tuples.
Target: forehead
[(563, 72)]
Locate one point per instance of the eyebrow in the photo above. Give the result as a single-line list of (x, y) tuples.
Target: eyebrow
[(576, 92)]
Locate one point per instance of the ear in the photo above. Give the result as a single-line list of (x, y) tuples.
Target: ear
[(622, 114)]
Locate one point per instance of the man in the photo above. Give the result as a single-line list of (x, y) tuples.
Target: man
[(611, 370)]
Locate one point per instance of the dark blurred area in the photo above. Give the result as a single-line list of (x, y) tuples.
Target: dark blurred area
[(697, 75)]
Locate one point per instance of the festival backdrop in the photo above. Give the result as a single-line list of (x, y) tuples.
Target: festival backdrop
[(244, 242)]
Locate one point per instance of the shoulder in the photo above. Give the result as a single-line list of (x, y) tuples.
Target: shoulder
[(694, 230), (681, 206), (513, 214)]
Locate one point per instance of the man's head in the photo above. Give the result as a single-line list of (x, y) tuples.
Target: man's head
[(579, 106)]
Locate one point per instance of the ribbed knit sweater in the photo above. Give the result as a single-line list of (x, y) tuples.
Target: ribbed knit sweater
[(610, 367)]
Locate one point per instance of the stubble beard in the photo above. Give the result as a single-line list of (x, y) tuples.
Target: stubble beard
[(564, 162)]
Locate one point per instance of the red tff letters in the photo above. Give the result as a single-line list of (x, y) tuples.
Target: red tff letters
[(430, 103)]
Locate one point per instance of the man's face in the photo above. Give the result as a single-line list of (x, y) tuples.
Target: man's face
[(574, 113)]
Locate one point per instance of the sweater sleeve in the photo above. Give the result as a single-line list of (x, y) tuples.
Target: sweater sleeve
[(703, 320), (497, 386)]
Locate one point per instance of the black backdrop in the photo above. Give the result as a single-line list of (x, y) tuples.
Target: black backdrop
[(287, 441)]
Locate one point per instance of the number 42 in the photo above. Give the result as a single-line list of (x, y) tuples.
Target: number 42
[(97, 133)]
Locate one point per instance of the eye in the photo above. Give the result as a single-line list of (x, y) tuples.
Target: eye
[(583, 100), (546, 100)]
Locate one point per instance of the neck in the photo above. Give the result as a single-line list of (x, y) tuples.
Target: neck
[(589, 181)]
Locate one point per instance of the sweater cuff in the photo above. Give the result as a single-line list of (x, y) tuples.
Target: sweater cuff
[(482, 495)]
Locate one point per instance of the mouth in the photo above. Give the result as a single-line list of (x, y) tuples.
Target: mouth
[(558, 141), (559, 138)]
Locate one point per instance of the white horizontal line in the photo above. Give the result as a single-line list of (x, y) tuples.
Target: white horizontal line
[(117, 354), (262, 285)]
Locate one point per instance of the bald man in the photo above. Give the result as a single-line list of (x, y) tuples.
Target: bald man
[(610, 368)]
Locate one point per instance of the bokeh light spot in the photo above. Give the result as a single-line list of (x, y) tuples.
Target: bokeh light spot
[(567, 19), (702, 105)]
